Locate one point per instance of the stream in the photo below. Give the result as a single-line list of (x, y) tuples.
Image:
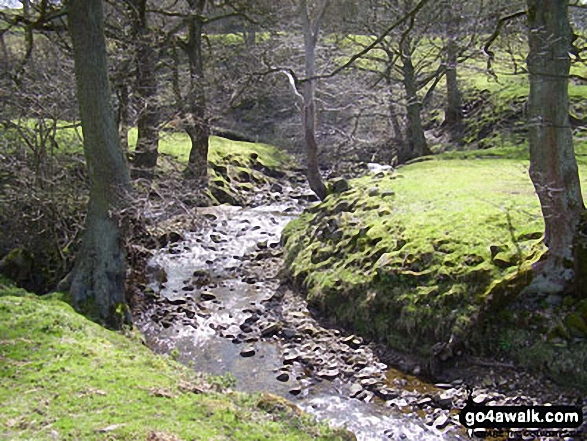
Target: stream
[(219, 307)]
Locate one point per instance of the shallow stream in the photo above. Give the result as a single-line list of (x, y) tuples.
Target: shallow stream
[(221, 309)]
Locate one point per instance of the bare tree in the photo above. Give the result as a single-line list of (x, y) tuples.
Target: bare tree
[(311, 29), (98, 277), (553, 167)]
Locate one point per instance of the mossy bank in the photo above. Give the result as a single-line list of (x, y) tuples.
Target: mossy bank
[(437, 254), (64, 377)]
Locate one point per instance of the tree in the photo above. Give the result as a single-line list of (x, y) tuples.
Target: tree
[(98, 278), (311, 31), (553, 167), (147, 148)]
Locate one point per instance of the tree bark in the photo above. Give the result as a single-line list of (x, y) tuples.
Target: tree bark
[(311, 31), (147, 148), (453, 113), (553, 167), (416, 141), (122, 114), (98, 277), (197, 126)]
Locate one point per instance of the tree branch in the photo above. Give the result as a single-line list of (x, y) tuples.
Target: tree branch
[(367, 49)]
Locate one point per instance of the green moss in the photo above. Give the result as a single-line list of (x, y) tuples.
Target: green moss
[(65, 377), (427, 263)]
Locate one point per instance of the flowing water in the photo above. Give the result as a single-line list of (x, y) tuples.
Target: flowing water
[(217, 313)]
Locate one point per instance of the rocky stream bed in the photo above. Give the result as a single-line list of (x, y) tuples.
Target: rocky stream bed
[(216, 302)]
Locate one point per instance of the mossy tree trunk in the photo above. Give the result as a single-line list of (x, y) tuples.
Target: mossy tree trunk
[(147, 148), (415, 140), (98, 277), (553, 167), (197, 126), (311, 31)]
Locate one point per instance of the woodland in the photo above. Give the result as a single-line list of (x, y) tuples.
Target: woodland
[(290, 219)]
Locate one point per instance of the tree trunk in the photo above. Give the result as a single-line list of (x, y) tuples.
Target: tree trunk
[(197, 123), (553, 168), (453, 113), (309, 107), (97, 280), (416, 141), (394, 117), (147, 148), (122, 115)]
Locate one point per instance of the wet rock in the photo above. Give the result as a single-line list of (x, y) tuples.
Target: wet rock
[(270, 329), (386, 393), (328, 374), (276, 188), (352, 341), (283, 377), (387, 193), (177, 302), (247, 352), (310, 330), (245, 328), (427, 401), (290, 358), (216, 238), (445, 398), (295, 391), (169, 238), (481, 398), (288, 333), (207, 296), (355, 390), (441, 421), (201, 278), (368, 383)]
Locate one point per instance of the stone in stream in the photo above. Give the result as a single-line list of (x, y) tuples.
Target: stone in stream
[(216, 238), (386, 393), (270, 329), (368, 383), (445, 398), (283, 377), (352, 341), (295, 391), (201, 278), (328, 374), (356, 389), (441, 421), (245, 328), (290, 358), (207, 296), (247, 352), (177, 302), (288, 333)]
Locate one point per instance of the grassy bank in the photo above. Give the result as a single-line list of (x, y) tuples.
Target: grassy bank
[(433, 251), (64, 377)]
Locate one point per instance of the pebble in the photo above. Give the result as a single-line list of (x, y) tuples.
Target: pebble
[(247, 352), (283, 377)]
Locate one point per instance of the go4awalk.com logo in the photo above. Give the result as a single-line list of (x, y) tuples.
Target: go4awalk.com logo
[(537, 418)]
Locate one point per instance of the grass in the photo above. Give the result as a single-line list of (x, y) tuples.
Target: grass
[(412, 258), (64, 377)]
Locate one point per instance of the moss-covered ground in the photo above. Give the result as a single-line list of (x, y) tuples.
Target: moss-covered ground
[(417, 256), (64, 377)]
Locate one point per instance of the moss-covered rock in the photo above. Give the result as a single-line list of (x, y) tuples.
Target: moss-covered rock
[(425, 266)]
